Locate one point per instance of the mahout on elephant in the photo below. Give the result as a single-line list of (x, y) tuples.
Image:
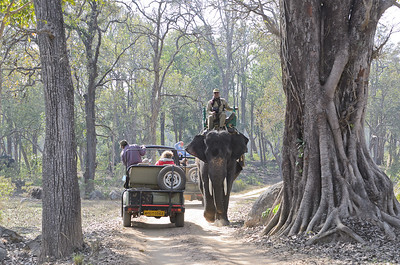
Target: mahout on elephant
[(220, 160)]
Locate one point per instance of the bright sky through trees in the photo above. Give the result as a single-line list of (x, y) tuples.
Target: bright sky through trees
[(392, 18)]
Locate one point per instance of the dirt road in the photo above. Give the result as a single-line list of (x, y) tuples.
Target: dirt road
[(157, 241), (198, 242)]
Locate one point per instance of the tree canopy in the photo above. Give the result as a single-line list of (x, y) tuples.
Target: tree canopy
[(143, 71)]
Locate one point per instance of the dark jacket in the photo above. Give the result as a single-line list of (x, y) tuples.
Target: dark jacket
[(132, 154)]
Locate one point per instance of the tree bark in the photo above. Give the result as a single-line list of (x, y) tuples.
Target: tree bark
[(61, 217), (88, 37), (24, 155), (260, 147), (1, 89), (162, 127), (252, 138), (328, 174)]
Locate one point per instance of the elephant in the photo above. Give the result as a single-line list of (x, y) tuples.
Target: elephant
[(220, 160)]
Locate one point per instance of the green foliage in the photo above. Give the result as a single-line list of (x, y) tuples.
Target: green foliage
[(6, 189), (255, 157), (383, 106), (244, 182), (21, 13), (239, 185), (274, 211), (123, 97), (300, 148), (252, 180), (78, 259), (9, 172)]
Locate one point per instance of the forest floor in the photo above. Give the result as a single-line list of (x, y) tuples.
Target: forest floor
[(157, 241)]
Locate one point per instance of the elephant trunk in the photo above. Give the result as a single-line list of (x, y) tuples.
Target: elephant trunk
[(218, 184)]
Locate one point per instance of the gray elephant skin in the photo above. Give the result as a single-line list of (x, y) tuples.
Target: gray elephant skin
[(219, 160)]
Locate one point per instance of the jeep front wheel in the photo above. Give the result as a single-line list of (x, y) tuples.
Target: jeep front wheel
[(126, 218)]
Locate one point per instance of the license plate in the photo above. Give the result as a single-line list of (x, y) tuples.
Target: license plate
[(154, 213)]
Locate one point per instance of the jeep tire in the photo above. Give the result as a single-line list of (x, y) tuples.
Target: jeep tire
[(171, 177), (180, 219)]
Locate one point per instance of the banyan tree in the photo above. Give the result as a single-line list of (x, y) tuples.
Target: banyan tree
[(328, 174)]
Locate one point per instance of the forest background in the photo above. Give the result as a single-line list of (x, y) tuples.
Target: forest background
[(143, 71)]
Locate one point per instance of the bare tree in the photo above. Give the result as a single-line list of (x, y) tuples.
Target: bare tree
[(218, 31), (88, 27), (161, 20), (328, 173), (61, 217), (266, 10)]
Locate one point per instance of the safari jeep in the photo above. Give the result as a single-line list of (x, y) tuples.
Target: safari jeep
[(155, 191), (192, 191)]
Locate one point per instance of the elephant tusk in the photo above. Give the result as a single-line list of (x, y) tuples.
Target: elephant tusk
[(210, 187), (225, 187)]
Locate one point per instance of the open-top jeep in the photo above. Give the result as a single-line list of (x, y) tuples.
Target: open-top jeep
[(155, 191), (192, 191)]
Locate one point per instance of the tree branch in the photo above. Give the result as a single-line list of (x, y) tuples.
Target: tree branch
[(20, 8), (115, 62)]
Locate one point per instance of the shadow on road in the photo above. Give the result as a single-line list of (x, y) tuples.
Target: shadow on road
[(138, 224)]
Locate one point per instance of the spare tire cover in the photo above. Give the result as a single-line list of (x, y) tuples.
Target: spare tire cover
[(171, 177)]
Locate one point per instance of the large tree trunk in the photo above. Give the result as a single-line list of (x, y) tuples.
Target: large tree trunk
[(156, 90), (91, 140), (328, 173), (1, 89), (92, 54), (61, 216), (155, 104)]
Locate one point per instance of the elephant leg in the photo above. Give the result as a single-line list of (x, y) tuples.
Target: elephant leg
[(223, 217), (209, 209), (209, 206)]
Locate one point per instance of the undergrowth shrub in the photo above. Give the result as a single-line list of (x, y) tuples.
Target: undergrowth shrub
[(275, 210), (78, 259), (239, 185), (252, 180), (6, 189)]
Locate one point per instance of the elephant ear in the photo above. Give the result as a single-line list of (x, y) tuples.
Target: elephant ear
[(239, 145), (197, 147)]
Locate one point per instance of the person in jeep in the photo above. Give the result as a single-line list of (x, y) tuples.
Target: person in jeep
[(131, 154), (216, 108), (166, 158)]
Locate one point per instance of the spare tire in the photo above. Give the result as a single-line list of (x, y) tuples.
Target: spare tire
[(171, 177), (193, 175)]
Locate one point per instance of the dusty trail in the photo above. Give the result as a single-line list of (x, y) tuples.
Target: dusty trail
[(198, 242)]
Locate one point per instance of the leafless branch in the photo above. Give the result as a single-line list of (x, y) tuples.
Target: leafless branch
[(100, 82), (181, 96), (257, 7), (377, 50)]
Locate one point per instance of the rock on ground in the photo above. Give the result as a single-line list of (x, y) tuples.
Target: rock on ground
[(263, 202)]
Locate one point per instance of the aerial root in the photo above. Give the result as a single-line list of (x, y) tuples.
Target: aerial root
[(393, 221), (333, 220)]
